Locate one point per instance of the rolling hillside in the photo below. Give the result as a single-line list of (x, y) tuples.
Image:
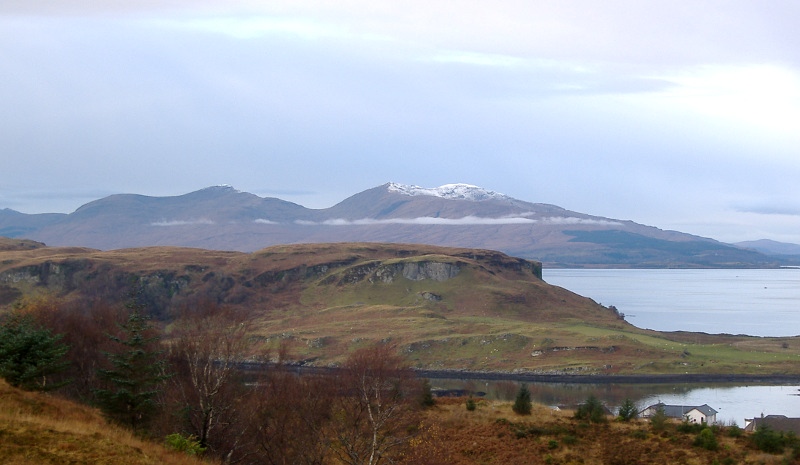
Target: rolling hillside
[(447, 308)]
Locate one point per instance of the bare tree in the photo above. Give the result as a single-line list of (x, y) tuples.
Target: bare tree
[(209, 346), (293, 417), (376, 410)]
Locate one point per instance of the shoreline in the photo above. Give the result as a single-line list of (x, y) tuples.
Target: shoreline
[(612, 379), (769, 379)]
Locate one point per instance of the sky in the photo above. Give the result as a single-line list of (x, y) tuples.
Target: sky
[(679, 114)]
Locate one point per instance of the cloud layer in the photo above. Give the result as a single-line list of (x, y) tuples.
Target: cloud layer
[(680, 114)]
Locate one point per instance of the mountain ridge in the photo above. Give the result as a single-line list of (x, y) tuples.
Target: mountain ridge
[(454, 215)]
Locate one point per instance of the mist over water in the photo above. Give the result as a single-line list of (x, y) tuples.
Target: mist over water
[(733, 301)]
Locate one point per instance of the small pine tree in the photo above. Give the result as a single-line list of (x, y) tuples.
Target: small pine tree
[(137, 375), (659, 419), (628, 411), (522, 404), (591, 410), (29, 354), (427, 399)]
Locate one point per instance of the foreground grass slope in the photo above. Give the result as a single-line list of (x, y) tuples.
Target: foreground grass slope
[(447, 308), (494, 434), (38, 429)]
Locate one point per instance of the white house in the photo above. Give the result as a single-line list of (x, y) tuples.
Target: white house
[(691, 413)]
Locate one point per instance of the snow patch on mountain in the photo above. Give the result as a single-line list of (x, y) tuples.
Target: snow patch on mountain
[(449, 191)]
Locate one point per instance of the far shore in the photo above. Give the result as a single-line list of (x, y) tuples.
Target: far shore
[(612, 379), (565, 378)]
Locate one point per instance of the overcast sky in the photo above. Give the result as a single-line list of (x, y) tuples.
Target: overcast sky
[(677, 114)]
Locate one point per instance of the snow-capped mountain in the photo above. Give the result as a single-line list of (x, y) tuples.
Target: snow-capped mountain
[(459, 215), (449, 191)]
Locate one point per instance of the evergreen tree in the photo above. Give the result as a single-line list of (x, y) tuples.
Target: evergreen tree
[(427, 399), (137, 376), (591, 410), (522, 404), (658, 420), (628, 410), (29, 354)]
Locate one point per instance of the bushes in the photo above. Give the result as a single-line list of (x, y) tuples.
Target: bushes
[(768, 440), (706, 439), (187, 444)]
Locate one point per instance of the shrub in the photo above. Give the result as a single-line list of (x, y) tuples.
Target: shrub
[(591, 410), (768, 440), (187, 444), (734, 431), (552, 444), (706, 439), (522, 404), (471, 404), (686, 427), (569, 439)]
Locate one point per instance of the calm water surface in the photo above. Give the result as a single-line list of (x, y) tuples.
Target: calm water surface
[(753, 302), (732, 402)]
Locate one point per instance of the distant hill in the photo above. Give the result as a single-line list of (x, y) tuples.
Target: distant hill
[(455, 215), (769, 247)]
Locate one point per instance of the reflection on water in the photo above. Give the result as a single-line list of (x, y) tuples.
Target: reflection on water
[(733, 402)]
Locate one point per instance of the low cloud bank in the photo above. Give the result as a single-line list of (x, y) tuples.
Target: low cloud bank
[(181, 222), (465, 221)]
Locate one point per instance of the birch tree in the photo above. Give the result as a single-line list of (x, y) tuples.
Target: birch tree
[(205, 356), (376, 411)]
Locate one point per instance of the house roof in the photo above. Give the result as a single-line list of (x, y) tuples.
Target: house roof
[(679, 411), (777, 423)]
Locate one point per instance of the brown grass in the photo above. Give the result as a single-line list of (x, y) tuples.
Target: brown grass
[(493, 434), (40, 429)]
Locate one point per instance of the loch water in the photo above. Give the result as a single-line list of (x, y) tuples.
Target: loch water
[(757, 302), (733, 402)]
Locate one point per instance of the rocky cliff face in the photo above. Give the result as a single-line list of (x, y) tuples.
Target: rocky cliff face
[(277, 279)]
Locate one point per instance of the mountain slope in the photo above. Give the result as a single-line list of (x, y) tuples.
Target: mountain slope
[(455, 215), (769, 247)]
